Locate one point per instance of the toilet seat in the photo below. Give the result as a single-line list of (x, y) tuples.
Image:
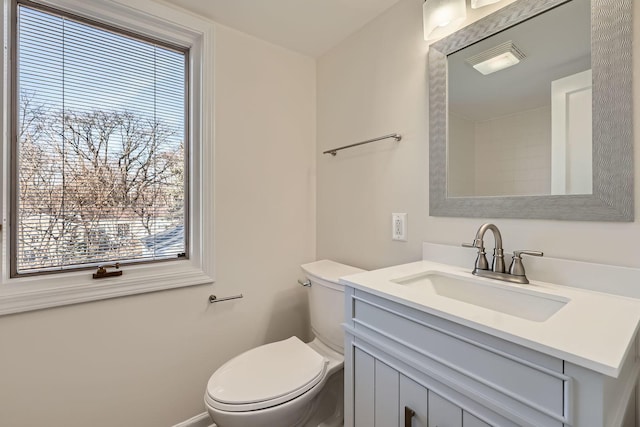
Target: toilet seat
[(266, 376)]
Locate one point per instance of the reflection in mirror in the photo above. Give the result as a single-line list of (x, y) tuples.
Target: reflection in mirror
[(520, 107)]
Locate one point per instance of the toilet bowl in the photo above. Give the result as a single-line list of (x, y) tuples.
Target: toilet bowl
[(289, 383)]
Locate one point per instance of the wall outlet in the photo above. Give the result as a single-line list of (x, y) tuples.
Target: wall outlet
[(399, 226)]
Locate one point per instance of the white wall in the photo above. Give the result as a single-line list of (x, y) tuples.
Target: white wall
[(370, 85), (145, 360), (376, 82), (513, 154), (502, 156), (461, 156)]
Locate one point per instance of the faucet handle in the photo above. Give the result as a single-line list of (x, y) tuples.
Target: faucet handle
[(519, 254), (481, 260), (516, 268)]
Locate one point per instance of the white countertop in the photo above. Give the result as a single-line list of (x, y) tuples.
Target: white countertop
[(594, 330)]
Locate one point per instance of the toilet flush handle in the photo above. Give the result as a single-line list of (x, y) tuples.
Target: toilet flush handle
[(306, 283)]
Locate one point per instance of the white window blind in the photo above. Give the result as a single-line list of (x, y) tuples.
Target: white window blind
[(100, 145)]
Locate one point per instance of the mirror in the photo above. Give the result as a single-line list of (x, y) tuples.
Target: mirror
[(548, 136)]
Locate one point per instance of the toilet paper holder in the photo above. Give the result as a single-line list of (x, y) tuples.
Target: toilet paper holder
[(213, 298)]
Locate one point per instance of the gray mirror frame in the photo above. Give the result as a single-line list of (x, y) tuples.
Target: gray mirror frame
[(613, 169)]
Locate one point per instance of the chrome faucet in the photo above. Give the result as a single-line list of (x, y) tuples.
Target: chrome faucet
[(497, 265), (516, 273)]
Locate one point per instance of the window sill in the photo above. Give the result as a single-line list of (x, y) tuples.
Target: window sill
[(27, 294)]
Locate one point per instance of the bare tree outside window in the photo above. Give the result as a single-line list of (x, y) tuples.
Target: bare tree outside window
[(79, 184)]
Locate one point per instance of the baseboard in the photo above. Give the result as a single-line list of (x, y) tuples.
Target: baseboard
[(200, 420)]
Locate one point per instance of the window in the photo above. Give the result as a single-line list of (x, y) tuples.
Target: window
[(175, 37), (100, 144)]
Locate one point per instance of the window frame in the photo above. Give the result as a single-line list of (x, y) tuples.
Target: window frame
[(14, 143), (157, 21)]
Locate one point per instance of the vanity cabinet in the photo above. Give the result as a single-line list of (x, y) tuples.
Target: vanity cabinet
[(469, 420), (451, 375), (385, 397)]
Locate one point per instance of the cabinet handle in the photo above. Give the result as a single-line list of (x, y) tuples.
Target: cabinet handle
[(408, 415)]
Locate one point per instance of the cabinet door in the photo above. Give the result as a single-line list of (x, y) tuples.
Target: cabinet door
[(387, 395), (469, 420), (414, 404), (364, 392), (443, 413)]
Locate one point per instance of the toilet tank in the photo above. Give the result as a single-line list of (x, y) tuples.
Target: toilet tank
[(326, 300)]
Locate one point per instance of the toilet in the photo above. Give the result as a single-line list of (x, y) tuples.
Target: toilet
[(290, 383)]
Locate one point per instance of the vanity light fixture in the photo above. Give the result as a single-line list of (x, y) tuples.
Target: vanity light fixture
[(475, 4), (442, 16), (497, 58)]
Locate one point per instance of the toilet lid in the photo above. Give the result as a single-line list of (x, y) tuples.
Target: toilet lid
[(266, 376)]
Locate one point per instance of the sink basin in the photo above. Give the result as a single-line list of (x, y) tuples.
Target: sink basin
[(508, 299)]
